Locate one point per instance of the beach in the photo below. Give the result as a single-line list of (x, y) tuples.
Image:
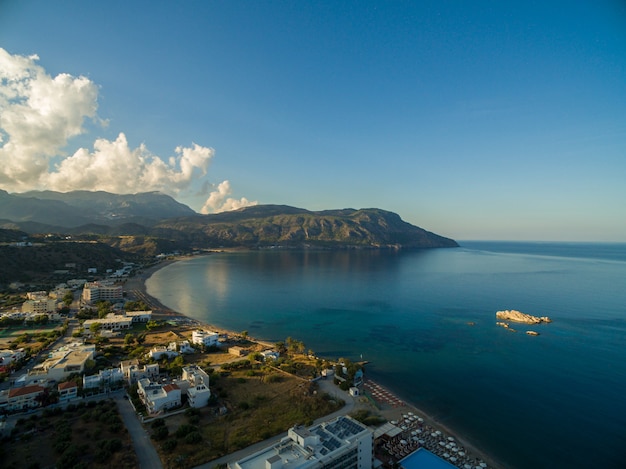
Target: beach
[(405, 416)]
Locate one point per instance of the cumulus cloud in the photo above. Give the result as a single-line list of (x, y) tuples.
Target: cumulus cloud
[(40, 114), (114, 167), (219, 201)]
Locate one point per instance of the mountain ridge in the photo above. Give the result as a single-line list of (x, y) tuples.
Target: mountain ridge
[(145, 222)]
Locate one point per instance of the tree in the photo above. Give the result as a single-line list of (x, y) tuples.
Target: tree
[(95, 328), (68, 298), (104, 308)]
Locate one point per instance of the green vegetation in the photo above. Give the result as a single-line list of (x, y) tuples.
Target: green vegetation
[(85, 435)]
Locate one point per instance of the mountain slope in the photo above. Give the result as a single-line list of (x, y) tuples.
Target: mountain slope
[(76, 208), (268, 225)]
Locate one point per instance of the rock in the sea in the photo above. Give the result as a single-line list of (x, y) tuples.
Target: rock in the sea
[(516, 316)]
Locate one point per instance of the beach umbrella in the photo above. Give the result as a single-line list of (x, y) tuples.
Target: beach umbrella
[(453, 459), (482, 464), (461, 453), (450, 438), (467, 466)]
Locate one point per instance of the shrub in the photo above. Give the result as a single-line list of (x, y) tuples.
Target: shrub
[(193, 438), (158, 423), (169, 445), (184, 430), (160, 433)]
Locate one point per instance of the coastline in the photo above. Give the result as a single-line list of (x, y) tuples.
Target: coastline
[(391, 407)]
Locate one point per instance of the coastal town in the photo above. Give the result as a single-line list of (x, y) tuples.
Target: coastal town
[(131, 383)]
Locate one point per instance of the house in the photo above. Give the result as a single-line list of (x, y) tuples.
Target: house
[(109, 377), (238, 351), (133, 372), (27, 397), (67, 390), (158, 397), (206, 338), (270, 355), (195, 382), (158, 351), (339, 443), (183, 347), (10, 356)]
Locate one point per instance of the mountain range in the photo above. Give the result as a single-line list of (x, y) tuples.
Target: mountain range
[(152, 222)]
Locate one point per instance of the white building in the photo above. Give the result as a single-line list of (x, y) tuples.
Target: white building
[(108, 377), (139, 316), (157, 397), (40, 306), (342, 443), (99, 291), (206, 338), (111, 322), (25, 397), (195, 382), (158, 351), (62, 362), (133, 372), (182, 347), (9, 356), (68, 390), (270, 355)]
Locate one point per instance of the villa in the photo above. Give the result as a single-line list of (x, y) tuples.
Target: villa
[(206, 338), (157, 397)]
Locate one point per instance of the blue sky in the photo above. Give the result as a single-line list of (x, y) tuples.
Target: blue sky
[(475, 120)]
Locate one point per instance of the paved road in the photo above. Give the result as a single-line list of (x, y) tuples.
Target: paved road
[(146, 454)]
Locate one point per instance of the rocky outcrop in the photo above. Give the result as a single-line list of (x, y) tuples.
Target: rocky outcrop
[(516, 316)]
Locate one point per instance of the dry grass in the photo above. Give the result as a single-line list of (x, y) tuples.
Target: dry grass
[(260, 403)]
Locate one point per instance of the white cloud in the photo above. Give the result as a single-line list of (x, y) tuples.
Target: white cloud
[(40, 114), (114, 167), (219, 201)]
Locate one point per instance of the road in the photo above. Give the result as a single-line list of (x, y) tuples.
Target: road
[(146, 454)]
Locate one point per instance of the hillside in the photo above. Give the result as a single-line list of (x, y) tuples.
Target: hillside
[(151, 223), (271, 225)]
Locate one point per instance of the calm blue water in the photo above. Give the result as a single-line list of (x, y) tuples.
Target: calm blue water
[(556, 400)]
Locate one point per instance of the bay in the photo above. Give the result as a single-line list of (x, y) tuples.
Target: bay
[(426, 321)]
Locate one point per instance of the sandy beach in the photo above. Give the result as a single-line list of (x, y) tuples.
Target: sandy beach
[(390, 407)]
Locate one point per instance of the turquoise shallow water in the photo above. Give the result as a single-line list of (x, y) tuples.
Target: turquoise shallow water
[(556, 400)]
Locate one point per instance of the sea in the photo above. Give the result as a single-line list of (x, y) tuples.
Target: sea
[(425, 321)]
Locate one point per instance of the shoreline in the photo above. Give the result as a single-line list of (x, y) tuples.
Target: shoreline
[(391, 408)]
